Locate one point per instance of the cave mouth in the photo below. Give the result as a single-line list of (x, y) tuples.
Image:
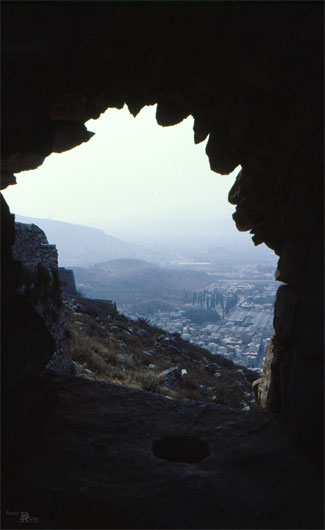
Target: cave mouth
[(187, 449)]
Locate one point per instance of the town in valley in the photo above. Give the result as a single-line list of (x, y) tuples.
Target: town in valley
[(232, 317)]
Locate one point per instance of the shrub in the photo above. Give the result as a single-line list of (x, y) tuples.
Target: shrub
[(148, 381), (189, 384)]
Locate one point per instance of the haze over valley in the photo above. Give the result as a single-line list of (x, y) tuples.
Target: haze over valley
[(153, 232), (217, 294), (161, 203), (84, 246)]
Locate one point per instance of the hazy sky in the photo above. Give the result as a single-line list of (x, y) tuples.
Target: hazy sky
[(134, 179)]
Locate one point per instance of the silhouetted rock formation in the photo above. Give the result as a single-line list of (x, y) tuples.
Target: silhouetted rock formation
[(41, 285), (251, 75)]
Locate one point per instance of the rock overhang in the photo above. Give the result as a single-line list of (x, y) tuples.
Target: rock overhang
[(250, 74)]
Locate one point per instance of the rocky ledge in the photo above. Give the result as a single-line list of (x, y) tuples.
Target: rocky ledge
[(88, 454)]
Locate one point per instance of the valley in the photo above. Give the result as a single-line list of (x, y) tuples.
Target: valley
[(227, 313), (218, 295)]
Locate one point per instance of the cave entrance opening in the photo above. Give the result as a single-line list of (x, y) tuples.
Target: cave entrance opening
[(149, 186), (135, 180), (145, 184)]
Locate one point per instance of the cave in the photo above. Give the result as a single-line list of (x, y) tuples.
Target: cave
[(251, 75)]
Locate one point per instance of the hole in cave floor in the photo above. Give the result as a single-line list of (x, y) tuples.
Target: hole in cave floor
[(188, 449)]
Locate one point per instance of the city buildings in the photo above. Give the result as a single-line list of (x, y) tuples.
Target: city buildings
[(243, 331)]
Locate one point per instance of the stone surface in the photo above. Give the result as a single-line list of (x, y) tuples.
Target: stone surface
[(77, 368), (255, 386), (108, 457), (286, 310), (40, 284), (292, 264), (203, 390), (269, 399), (32, 247), (172, 377), (27, 345), (68, 282), (252, 79)]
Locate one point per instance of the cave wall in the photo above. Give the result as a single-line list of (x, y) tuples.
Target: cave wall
[(41, 284), (26, 342), (251, 75)]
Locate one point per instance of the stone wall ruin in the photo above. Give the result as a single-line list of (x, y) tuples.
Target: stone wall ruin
[(251, 75), (42, 286), (68, 282)]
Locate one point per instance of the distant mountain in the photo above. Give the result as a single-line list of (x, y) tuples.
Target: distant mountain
[(140, 275), (123, 267), (136, 282), (233, 252), (83, 246)]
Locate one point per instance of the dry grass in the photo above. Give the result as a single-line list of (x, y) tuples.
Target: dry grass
[(105, 346), (148, 381), (90, 352)]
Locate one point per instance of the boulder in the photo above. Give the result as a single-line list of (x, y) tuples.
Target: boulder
[(203, 390), (142, 333), (171, 376), (77, 368)]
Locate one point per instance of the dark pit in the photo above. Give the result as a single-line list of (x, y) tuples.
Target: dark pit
[(188, 449)]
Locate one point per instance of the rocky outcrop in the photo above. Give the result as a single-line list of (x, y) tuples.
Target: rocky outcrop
[(26, 343), (251, 75), (40, 284)]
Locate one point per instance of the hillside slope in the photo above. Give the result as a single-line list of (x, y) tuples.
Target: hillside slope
[(138, 284), (115, 349), (82, 245)]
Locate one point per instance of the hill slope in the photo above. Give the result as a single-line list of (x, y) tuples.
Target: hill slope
[(136, 283), (82, 245), (132, 353)]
